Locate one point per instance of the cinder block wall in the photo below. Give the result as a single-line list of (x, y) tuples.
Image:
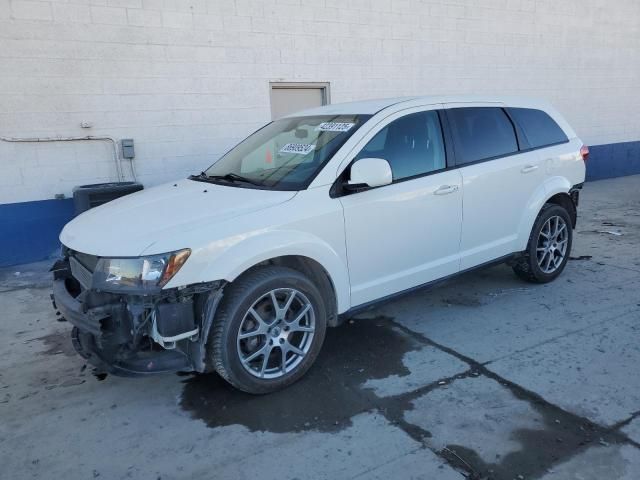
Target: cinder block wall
[(186, 79)]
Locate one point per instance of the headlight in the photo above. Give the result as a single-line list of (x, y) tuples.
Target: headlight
[(140, 273)]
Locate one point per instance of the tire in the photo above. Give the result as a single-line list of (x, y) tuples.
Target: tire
[(248, 310), (530, 266)]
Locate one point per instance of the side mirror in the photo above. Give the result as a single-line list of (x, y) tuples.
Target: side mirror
[(369, 172)]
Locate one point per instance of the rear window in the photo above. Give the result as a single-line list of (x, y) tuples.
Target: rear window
[(480, 133), (538, 127)]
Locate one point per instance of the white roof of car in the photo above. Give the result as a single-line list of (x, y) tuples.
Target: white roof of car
[(370, 107)]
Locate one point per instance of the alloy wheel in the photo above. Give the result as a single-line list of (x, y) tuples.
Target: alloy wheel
[(552, 244), (276, 333)]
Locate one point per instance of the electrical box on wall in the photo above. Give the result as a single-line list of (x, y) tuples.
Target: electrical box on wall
[(127, 148)]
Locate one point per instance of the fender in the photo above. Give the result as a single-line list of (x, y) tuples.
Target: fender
[(229, 258), (544, 192)]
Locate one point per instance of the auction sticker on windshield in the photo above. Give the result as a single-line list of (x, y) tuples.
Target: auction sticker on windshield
[(335, 126), (298, 148)]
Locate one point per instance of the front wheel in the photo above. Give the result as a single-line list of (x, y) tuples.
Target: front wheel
[(268, 331), (548, 248)]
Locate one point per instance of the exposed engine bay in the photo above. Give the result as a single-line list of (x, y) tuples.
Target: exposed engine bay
[(134, 333)]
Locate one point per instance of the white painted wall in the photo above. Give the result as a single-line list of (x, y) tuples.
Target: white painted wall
[(189, 78)]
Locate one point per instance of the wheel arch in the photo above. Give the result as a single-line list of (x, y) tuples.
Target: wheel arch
[(228, 258), (563, 199), (554, 191), (312, 269), (301, 251)]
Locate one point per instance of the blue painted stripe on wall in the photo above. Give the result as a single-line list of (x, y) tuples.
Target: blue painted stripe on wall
[(613, 160), (30, 230)]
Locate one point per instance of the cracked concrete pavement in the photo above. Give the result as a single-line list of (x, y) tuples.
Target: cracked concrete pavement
[(484, 377)]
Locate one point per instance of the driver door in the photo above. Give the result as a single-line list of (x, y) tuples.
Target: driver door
[(407, 233)]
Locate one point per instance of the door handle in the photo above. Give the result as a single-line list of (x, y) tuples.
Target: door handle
[(529, 168), (446, 189)]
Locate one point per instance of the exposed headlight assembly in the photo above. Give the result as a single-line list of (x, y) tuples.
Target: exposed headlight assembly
[(138, 274)]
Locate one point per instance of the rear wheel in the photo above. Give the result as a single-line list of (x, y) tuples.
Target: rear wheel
[(268, 331), (548, 248)]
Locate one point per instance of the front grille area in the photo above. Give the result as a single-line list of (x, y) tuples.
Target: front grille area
[(81, 273), (87, 261)]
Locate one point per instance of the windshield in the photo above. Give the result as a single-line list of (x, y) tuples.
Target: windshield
[(284, 155)]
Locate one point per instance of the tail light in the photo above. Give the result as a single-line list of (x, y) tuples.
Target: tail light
[(584, 152)]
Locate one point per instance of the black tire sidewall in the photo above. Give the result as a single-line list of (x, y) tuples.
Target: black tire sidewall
[(241, 300), (548, 212)]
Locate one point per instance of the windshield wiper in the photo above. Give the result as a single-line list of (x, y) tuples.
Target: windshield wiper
[(234, 177), (231, 177)]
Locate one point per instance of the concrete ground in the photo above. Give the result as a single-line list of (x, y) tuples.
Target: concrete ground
[(485, 377)]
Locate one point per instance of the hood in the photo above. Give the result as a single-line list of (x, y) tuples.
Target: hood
[(132, 224)]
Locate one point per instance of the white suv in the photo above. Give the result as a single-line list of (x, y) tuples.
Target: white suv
[(241, 269)]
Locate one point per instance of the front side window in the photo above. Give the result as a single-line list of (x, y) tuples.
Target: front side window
[(480, 133), (412, 145), (284, 155), (539, 128)]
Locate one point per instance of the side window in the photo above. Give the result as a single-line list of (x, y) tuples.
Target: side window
[(412, 145), (481, 132), (539, 128)]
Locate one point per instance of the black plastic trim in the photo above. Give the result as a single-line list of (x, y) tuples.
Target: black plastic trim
[(521, 138), (448, 139), (375, 303), (574, 194), (135, 365), (72, 310)]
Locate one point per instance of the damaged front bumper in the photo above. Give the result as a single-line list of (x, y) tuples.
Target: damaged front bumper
[(131, 335)]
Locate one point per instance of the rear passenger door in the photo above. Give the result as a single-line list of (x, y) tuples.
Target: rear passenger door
[(498, 180)]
